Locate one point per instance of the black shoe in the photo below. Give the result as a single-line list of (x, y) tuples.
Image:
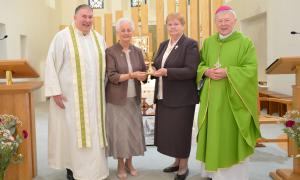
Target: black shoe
[(70, 174), (171, 169), (182, 176)]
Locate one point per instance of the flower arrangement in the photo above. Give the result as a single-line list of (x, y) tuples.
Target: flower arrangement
[(292, 125), (9, 142)]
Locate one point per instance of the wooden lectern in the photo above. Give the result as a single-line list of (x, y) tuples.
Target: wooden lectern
[(17, 99), (288, 65)]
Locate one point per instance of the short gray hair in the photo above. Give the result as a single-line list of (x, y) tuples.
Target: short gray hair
[(122, 21), (82, 6)]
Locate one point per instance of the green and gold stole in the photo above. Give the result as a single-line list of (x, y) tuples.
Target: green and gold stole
[(79, 81)]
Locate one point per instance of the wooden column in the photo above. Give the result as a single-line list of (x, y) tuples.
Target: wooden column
[(205, 22), (215, 4), (97, 22), (171, 6), (118, 15), (108, 29), (135, 19), (194, 19), (144, 19), (183, 10), (160, 30)]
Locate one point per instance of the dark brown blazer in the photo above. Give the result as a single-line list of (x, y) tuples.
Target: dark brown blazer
[(116, 64), (179, 86)]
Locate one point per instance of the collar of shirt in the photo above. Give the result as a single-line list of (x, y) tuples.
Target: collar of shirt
[(171, 46), (78, 31), (226, 36)]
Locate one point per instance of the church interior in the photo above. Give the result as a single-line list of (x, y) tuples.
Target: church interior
[(27, 28)]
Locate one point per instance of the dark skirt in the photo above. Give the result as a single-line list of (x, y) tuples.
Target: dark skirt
[(173, 130)]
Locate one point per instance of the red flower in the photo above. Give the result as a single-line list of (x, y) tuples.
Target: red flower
[(25, 134), (289, 123)]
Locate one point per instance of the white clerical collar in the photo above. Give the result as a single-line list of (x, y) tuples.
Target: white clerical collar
[(226, 36)]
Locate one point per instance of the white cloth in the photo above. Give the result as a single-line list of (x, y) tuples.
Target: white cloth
[(131, 87), (63, 151), (236, 172), (165, 56), (226, 36)]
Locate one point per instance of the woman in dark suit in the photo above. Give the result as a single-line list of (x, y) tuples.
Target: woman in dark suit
[(175, 95), (125, 68)]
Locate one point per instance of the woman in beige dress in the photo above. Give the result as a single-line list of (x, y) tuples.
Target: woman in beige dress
[(125, 69)]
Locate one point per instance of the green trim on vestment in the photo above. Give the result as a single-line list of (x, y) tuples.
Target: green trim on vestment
[(101, 88), (79, 86)]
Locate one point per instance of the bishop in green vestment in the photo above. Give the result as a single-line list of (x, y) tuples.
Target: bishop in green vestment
[(228, 118)]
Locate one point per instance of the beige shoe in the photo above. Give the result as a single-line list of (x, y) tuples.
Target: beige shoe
[(122, 174), (132, 171)]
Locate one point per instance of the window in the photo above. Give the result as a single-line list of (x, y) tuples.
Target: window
[(135, 3), (96, 4)]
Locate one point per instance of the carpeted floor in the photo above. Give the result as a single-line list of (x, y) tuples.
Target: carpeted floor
[(149, 166)]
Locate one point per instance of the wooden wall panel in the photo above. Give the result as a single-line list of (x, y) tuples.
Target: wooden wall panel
[(214, 6), (205, 19), (194, 19), (182, 9), (97, 24), (171, 6), (160, 34), (118, 15), (135, 19), (144, 19), (108, 29)]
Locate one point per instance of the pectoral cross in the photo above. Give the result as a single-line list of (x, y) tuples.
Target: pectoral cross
[(218, 64)]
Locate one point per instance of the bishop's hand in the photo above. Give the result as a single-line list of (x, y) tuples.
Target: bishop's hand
[(216, 73)]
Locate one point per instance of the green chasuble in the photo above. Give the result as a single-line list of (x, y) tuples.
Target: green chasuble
[(228, 118)]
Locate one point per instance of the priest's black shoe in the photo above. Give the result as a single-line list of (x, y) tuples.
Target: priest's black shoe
[(182, 176), (70, 174), (171, 169)]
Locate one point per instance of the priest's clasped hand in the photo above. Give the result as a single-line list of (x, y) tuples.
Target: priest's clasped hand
[(58, 99), (216, 73)]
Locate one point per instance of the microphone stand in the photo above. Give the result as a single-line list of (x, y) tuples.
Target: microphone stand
[(294, 32), (4, 37)]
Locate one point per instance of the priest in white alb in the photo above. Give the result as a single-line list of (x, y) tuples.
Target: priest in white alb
[(74, 81)]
